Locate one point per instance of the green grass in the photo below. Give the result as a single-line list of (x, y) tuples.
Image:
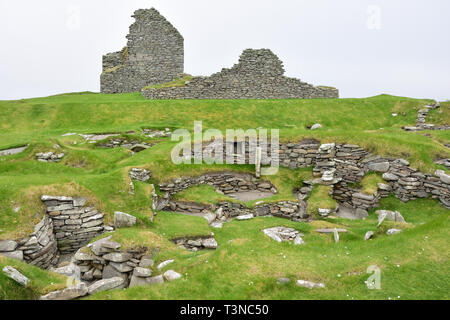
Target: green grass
[(440, 116), (320, 198), (179, 82), (370, 183), (41, 281), (247, 263), (285, 181)]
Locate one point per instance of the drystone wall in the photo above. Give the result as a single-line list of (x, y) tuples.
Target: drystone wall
[(340, 166), (39, 248), (226, 211), (421, 123), (105, 260), (154, 54), (258, 75), (224, 182), (74, 224), (66, 226)]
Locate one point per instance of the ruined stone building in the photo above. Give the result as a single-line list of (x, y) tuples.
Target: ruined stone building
[(259, 74), (155, 55)]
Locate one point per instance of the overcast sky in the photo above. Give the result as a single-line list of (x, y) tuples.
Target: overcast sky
[(363, 48)]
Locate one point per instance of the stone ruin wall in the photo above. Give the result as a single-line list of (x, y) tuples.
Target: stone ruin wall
[(66, 226), (345, 164), (154, 54), (258, 75)]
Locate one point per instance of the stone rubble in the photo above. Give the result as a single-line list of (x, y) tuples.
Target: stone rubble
[(49, 156), (151, 133), (283, 234), (422, 117), (134, 145), (139, 174), (196, 243)]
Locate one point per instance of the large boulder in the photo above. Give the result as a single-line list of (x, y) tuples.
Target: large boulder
[(171, 275), (123, 220), (8, 245)]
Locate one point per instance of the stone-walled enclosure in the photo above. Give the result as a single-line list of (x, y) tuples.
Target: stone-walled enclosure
[(340, 166), (67, 225), (258, 75), (224, 182), (40, 248), (154, 54)]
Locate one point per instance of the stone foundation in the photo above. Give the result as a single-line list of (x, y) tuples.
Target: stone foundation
[(224, 182)]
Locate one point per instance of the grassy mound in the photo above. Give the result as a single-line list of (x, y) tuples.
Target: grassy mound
[(247, 263)]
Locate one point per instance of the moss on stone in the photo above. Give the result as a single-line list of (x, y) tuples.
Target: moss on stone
[(179, 82), (110, 70)]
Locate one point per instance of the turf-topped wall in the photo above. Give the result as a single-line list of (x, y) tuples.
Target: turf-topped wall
[(154, 54), (258, 75), (39, 248), (66, 226)]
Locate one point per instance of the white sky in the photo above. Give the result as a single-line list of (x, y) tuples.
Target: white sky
[(47, 48)]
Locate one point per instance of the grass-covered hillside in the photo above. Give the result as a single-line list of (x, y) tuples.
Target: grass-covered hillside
[(247, 263)]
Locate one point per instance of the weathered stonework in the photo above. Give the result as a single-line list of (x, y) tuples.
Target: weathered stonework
[(224, 182), (39, 248), (154, 54), (74, 224), (340, 166), (66, 226), (422, 119), (258, 75)]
